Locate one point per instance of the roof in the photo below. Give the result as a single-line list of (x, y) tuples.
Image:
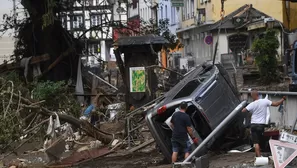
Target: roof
[(246, 10), (141, 40)]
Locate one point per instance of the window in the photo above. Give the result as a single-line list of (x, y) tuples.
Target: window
[(95, 20), (166, 11), (161, 12), (64, 21), (192, 9), (94, 48), (97, 2), (148, 14), (77, 22), (145, 12), (134, 4), (191, 86), (188, 10), (188, 89), (173, 15), (201, 16)]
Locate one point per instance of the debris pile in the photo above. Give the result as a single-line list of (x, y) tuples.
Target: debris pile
[(47, 115)]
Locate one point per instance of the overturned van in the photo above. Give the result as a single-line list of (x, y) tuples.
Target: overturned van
[(211, 98)]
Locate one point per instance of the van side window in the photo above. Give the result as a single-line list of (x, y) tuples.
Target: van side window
[(188, 89), (191, 86)]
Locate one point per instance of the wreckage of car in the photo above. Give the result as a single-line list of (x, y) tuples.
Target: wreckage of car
[(211, 97)]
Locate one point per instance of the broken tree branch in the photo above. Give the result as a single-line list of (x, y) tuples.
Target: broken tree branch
[(36, 126), (23, 143)]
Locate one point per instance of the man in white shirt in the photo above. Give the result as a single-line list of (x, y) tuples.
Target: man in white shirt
[(258, 108)]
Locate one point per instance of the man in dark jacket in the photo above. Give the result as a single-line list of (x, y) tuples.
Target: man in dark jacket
[(181, 124)]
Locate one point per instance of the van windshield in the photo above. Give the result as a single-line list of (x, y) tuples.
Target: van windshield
[(191, 86)]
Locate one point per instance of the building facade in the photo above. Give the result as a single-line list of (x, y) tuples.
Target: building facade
[(6, 48), (167, 11), (198, 30), (89, 21)]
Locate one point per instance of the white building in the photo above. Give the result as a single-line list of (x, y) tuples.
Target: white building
[(167, 11), (145, 10), (6, 48), (90, 20), (7, 40)]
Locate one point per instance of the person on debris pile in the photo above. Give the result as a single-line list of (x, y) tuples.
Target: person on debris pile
[(181, 124), (90, 108), (94, 117), (258, 109)]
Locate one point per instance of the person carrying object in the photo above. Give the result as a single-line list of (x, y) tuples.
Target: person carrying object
[(181, 124), (92, 106), (258, 109)]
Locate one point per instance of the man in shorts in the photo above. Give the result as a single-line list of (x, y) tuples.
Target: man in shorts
[(181, 124), (258, 109)]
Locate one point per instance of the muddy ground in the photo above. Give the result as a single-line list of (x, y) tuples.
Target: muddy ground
[(149, 158)]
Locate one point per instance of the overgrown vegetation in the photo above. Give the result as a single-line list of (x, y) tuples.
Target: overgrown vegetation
[(22, 103), (265, 48)]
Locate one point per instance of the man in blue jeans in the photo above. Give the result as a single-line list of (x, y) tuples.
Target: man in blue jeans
[(181, 124)]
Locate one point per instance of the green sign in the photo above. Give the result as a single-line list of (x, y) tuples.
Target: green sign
[(177, 3), (137, 79)]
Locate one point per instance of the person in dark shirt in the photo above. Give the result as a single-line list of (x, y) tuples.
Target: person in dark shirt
[(181, 124)]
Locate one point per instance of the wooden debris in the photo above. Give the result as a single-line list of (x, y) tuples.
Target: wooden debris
[(143, 145), (92, 131)]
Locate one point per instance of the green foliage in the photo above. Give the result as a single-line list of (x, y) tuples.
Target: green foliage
[(9, 130), (161, 29), (266, 49), (56, 95), (48, 90)]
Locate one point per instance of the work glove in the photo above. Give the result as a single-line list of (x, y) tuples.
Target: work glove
[(195, 140)]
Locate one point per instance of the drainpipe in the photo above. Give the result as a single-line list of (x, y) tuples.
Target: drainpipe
[(288, 13)]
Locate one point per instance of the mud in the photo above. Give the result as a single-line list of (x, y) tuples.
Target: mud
[(149, 159)]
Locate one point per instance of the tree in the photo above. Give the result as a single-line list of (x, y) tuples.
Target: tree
[(265, 48), (161, 29)]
